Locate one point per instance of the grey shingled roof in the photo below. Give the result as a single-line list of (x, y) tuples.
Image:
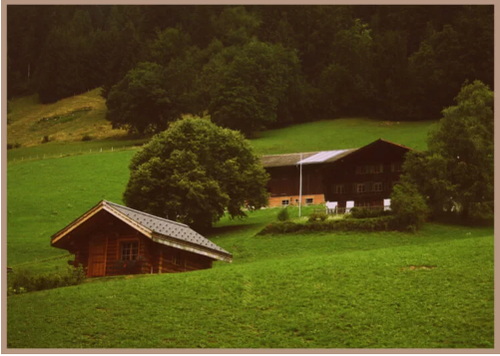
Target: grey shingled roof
[(166, 227), (292, 159), (289, 159)]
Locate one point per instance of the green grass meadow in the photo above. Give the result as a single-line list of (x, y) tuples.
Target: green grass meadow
[(433, 289)]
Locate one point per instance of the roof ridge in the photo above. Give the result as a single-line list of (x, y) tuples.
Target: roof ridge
[(315, 152), (289, 154), (142, 212)]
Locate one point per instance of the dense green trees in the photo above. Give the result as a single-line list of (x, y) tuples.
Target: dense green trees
[(247, 83), (141, 101), (456, 172), (257, 66), (193, 172)]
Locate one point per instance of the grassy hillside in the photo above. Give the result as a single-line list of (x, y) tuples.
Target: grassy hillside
[(434, 289), (315, 136), (285, 291), (340, 134), (66, 120)]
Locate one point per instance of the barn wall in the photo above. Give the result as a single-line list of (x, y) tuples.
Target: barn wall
[(320, 181), (156, 258), (294, 200)]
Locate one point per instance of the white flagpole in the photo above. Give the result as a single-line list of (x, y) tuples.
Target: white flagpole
[(300, 188)]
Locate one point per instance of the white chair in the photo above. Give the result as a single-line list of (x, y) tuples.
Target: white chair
[(387, 204), (348, 206), (331, 207)]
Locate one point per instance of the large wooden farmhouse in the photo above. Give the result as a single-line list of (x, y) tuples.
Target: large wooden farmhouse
[(112, 239), (364, 175)]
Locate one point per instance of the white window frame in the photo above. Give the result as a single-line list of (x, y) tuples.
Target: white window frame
[(287, 202), (378, 184), (309, 203), (358, 186)]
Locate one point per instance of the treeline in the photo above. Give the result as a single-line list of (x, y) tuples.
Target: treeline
[(251, 67)]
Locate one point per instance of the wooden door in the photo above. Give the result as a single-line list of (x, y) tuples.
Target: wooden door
[(97, 256)]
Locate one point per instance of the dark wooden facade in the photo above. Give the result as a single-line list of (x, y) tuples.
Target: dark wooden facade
[(365, 176), (107, 246)]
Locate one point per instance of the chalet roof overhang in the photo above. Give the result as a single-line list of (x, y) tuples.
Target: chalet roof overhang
[(216, 253)]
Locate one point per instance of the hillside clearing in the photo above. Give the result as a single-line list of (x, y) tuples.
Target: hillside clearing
[(66, 120)]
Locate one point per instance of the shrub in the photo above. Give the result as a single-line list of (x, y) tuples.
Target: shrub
[(283, 215), (23, 280), (315, 216), (45, 139), (363, 213), (86, 138), (409, 206), (384, 223), (13, 145)]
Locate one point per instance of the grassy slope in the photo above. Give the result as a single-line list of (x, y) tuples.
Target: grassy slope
[(315, 136), (341, 133), (25, 113), (320, 290)]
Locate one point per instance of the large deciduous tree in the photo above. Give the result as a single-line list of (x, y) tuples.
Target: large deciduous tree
[(246, 84), (140, 101), (195, 171), (457, 169)]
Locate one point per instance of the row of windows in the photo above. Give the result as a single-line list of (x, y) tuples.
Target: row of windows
[(130, 250), (361, 187), (377, 168), (286, 202)]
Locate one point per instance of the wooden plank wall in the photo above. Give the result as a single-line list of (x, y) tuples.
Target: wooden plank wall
[(155, 255)]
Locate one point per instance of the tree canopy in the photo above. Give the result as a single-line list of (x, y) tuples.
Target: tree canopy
[(267, 65), (194, 172), (457, 170)]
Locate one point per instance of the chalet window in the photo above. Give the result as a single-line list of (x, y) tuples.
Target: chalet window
[(396, 167), (285, 202), (359, 170), (340, 189), (309, 200), (377, 187), (176, 258), (129, 250), (368, 169), (378, 168), (360, 188)]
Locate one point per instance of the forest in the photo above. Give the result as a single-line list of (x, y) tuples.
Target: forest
[(251, 67)]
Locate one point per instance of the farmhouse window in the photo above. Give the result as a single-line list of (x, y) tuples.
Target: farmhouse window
[(377, 186), (285, 202), (340, 189), (129, 250), (359, 170), (309, 200), (176, 258), (361, 188), (378, 168)]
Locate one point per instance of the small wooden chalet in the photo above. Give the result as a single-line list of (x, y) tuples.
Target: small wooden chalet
[(112, 239), (364, 175)]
